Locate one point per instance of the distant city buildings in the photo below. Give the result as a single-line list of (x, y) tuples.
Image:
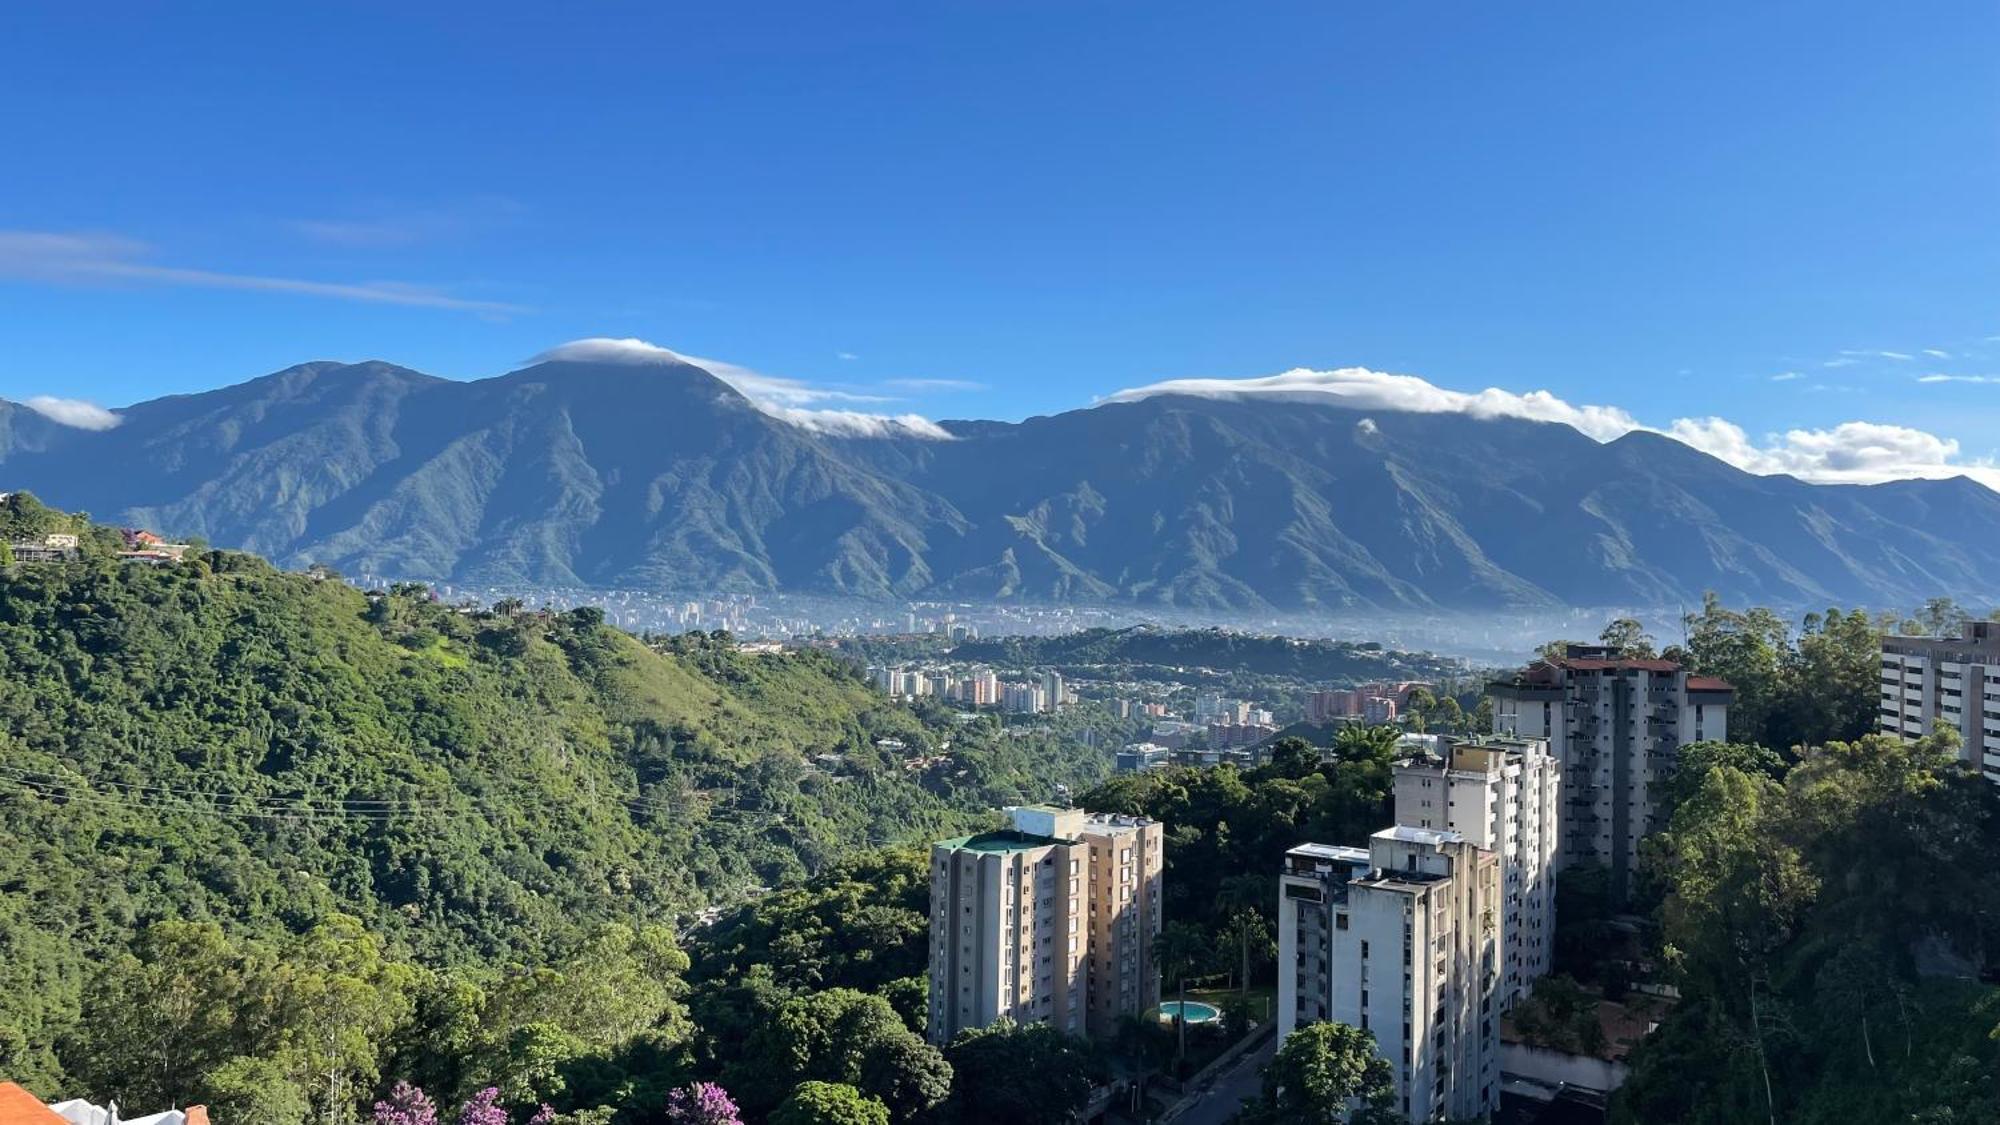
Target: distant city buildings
[(1401, 940), (1954, 682), (1378, 702), (1503, 795), (1048, 921), (1616, 725), (1138, 757)]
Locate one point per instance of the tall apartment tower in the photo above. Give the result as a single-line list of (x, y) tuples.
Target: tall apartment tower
[(1616, 726), (1502, 795), (1049, 921), (1402, 941), (1948, 681)]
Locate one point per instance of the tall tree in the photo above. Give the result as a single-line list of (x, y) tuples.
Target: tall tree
[(1326, 1073), (1629, 638), (829, 1103), (1181, 949), (1004, 1074)]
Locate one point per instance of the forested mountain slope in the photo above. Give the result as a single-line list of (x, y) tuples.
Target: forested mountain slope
[(224, 741)]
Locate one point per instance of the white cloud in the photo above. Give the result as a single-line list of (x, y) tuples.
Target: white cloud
[(81, 259), (1940, 378), (1363, 389), (73, 412), (1785, 376), (845, 355), (1849, 453), (1858, 354), (781, 398), (1937, 353), (411, 226), (1367, 427)]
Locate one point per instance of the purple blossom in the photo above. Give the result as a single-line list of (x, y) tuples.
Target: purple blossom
[(483, 1109), (703, 1103), (406, 1105), (544, 1116)]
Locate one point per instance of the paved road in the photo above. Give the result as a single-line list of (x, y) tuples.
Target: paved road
[(1231, 1088)]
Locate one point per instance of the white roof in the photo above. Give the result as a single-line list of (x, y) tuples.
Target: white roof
[(76, 1111), (1434, 837), (1355, 856)]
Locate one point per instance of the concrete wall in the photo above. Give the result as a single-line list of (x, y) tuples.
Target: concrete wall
[(1558, 1067)]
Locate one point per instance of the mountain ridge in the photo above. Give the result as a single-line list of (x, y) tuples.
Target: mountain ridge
[(660, 475)]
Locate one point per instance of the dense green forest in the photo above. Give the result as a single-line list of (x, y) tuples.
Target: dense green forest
[(251, 791), (1829, 930)]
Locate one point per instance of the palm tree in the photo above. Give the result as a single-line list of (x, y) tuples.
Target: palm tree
[(1243, 898), (1358, 743), (1180, 949)]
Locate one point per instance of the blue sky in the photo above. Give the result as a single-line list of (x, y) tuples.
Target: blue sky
[(1001, 209)]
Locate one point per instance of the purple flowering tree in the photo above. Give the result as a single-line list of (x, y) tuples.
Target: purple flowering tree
[(406, 1105), (544, 1116), (703, 1103), (483, 1108)]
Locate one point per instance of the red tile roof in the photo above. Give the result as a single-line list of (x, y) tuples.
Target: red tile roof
[(1708, 683), (19, 1107)]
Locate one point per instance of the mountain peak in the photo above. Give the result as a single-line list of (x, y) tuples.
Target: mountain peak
[(598, 350)]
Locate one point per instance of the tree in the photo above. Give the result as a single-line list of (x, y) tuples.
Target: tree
[(335, 997), (1746, 649), (406, 1105), (829, 1103), (703, 1103), (1555, 650), (483, 1108), (1942, 617), (1628, 638), (1319, 1072), (1292, 756), (1247, 898), (170, 993), (1181, 950), (254, 1089), (1003, 1074), (841, 1035), (1377, 743)]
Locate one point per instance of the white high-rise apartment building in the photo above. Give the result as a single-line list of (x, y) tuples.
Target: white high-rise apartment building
[(1402, 941), (1502, 795), (1616, 725), (1050, 921), (1949, 681)]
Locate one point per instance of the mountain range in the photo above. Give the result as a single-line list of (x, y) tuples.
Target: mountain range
[(661, 475)]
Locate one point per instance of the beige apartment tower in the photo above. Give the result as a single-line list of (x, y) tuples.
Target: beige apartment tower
[(1049, 921)]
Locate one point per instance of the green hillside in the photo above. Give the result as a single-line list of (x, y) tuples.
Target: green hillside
[(221, 741)]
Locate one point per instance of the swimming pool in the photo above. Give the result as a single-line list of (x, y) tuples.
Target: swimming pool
[(1196, 1011)]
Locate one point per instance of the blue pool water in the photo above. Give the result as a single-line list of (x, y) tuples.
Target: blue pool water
[(1197, 1012)]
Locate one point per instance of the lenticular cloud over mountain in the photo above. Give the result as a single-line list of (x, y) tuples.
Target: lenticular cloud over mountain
[(1849, 453), (73, 412), (787, 400), (1363, 389)]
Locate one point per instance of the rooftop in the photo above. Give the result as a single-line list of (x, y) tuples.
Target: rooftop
[(999, 840), (1334, 852), (1434, 837)]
